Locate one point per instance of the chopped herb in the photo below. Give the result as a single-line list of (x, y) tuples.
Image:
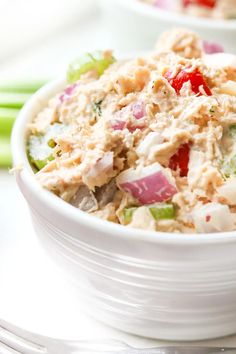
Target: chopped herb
[(232, 130), (96, 107), (212, 110)]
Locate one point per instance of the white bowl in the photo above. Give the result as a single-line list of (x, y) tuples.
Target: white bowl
[(160, 285), (136, 25)]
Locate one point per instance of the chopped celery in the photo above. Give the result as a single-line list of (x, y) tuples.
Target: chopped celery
[(23, 86), (159, 211), (5, 153), (7, 119), (162, 211), (13, 100), (40, 148), (102, 60), (89, 61), (39, 151), (229, 167), (128, 214)]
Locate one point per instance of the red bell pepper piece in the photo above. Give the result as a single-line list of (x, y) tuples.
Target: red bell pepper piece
[(195, 77), (180, 160), (207, 3)]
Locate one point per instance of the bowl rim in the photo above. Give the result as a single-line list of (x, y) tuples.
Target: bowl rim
[(22, 167), (175, 18)]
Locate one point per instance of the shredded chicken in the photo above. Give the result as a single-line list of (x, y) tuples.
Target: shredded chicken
[(182, 42)]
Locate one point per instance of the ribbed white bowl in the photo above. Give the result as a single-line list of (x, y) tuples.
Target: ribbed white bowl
[(136, 25), (160, 285)]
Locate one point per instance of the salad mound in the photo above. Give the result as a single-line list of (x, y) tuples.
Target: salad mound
[(149, 143), (218, 9)]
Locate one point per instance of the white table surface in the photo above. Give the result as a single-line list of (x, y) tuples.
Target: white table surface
[(33, 292)]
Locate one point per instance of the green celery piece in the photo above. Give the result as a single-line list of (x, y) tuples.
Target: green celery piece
[(162, 211), (39, 164), (39, 151), (80, 66), (228, 165), (159, 211), (102, 62), (13, 100), (5, 153), (87, 62), (22, 86), (7, 119), (40, 147), (128, 214)]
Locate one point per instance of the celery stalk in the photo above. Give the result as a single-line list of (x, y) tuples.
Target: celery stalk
[(162, 211), (13, 100), (7, 119), (40, 147), (25, 86), (159, 211), (128, 214), (98, 61), (5, 153), (229, 167)]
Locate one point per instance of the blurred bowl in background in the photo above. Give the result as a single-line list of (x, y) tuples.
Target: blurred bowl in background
[(134, 24)]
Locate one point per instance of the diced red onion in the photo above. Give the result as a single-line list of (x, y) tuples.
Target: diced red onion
[(67, 92), (212, 48), (118, 124), (150, 185), (70, 89), (134, 127), (164, 4), (62, 97), (138, 109)]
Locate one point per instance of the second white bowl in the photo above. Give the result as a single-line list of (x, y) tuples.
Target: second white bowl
[(136, 25)]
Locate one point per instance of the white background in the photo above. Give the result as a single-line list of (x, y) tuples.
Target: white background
[(33, 292)]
